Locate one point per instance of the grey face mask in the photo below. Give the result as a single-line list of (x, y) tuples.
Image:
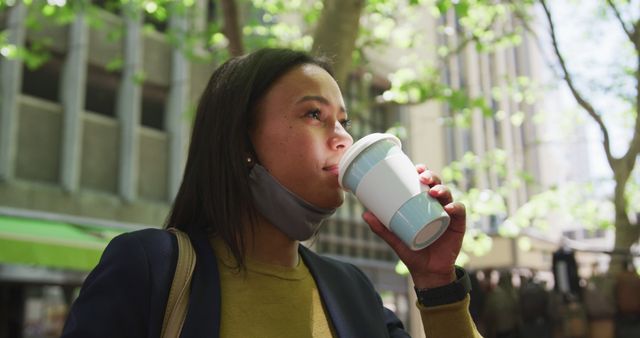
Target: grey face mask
[(294, 216)]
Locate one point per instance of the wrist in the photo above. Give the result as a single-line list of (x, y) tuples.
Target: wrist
[(446, 294), (434, 280)]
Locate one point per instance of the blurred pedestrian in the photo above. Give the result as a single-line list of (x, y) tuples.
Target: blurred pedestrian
[(501, 313), (534, 303), (565, 271), (628, 301), (600, 304)]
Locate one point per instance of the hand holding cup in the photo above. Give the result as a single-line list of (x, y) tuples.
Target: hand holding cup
[(408, 207), (432, 266)]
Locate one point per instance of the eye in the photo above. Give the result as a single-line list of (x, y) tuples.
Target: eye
[(346, 124), (314, 114)]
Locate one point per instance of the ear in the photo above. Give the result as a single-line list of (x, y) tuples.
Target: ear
[(250, 157)]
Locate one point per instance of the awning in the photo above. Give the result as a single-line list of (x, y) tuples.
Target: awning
[(52, 244)]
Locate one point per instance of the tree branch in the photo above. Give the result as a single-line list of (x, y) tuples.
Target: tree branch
[(634, 146), (574, 91), (538, 42), (459, 48), (231, 27), (336, 33), (463, 44), (633, 34), (630, 32)]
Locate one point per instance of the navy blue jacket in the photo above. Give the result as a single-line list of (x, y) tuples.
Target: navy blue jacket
[(126, 294)]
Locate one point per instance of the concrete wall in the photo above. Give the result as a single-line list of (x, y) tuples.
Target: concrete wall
[(156, 63), (99, 168), (427, 135), (199, 76), (38, 160), (86, 203), (103, 48), (39, 137), (152, 184), (37, 181), (56, 34), (507, 253)]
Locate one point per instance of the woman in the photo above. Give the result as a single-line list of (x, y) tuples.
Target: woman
[(260, 177)]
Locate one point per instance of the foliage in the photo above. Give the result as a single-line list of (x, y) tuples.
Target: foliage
[(491, 26), (289, 23), (570, 204), (281, 23), (485, 25)]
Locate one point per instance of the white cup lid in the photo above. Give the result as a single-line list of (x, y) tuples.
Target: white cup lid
[(359, 146)]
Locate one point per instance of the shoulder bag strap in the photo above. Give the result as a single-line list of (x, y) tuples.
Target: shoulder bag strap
[(178, 299)]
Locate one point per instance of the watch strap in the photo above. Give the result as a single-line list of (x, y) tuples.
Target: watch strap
[(446, 294)]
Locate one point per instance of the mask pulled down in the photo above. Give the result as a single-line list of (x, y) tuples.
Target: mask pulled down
[(294, 216)]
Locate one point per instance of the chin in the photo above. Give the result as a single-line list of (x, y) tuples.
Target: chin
[(326, 199), (334, 201)]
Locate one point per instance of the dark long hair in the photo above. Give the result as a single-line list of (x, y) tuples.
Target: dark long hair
[(214, 195)]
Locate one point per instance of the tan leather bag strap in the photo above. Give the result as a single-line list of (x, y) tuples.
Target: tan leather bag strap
[(178, 300)]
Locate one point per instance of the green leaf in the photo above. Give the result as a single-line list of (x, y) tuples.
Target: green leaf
[(462, 9), (402, 269), (517, 118), (48, 10), (9, 51), (443, 5), (115, 64), (139, 77)]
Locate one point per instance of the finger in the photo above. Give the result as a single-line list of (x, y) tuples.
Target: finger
[(421, 168), (458, 214), (441, 193), (429, 178), (389, 237)]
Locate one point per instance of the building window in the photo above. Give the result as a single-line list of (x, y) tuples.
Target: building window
[(153, 106), (582, 234), (44, 81), (109, 5), (3, 20), (102, 91), (112, 6), (158, 24)]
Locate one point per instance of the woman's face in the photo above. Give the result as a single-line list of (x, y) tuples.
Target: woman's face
[(300, 136)]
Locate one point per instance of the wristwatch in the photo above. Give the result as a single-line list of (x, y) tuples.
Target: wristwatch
[(446, 294)]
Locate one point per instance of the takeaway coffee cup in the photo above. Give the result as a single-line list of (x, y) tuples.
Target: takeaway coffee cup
[(386, 182)]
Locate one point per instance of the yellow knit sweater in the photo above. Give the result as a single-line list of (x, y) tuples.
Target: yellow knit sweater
[(268, 301)]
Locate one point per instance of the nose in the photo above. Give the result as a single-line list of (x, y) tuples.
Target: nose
[(341, 139)]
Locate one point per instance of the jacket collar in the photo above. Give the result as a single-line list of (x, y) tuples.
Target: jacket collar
[(344, 290), (353, 306)]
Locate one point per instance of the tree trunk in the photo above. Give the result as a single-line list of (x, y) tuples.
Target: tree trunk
[(231, 27), (626, 236), (627, 233), (335, 35)]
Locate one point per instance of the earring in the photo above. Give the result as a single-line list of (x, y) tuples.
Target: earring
[(249, 161)]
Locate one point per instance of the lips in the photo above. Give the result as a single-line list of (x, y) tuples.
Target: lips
[(334, 169)]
